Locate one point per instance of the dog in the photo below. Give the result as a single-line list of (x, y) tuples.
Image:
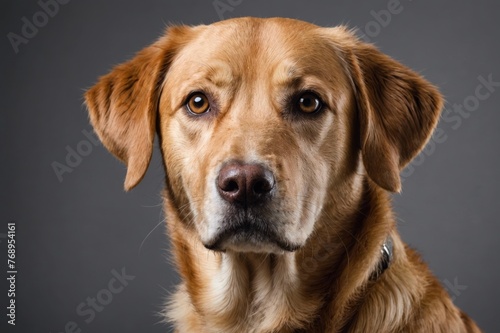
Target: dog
[(282, 142)]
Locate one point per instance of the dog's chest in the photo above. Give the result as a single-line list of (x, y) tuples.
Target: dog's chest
[(267, 300)]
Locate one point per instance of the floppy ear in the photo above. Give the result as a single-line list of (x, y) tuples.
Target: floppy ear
[(398, 110), (123, 104)]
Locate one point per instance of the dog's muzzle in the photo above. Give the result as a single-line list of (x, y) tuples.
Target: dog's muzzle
[(247, 191)]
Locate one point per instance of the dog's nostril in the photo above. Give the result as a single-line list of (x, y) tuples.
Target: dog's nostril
[(262, 186), (231, 186)]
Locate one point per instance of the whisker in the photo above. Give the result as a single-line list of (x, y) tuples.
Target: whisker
[(156, 226)]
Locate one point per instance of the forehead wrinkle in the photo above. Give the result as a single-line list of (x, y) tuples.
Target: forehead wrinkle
[(287, 75), (303, 69), (217, 73), (220, 74)]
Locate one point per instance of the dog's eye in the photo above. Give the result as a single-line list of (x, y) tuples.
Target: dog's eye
[(309, 102), (198, 103)]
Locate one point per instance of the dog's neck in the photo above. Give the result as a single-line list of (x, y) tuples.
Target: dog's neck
[(253, 292)]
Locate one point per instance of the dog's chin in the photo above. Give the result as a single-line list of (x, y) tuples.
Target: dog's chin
[(253, 247), (248, 240)]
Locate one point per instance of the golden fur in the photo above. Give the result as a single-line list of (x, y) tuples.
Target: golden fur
[(333, 171)]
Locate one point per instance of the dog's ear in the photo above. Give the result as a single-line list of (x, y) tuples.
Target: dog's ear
[(123, 104), (397, 109)]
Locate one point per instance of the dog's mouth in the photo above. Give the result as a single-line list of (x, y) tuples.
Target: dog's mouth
[(249, 235)]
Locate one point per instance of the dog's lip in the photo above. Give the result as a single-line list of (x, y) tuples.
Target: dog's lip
[(248, 234)]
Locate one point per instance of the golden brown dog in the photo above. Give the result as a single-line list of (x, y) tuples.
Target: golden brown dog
[(281, 142)]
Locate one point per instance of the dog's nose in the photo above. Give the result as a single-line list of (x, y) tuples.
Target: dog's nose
[(245, 183)]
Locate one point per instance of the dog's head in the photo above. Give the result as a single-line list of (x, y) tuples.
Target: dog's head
[(261, 122)]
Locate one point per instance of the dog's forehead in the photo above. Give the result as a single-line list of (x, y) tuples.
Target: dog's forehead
[(281, 49), (257, 35)]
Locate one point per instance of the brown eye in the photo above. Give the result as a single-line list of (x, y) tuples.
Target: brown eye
[(308, 102), (198, 103)]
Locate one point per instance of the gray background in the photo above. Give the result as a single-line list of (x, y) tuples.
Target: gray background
[(72, 234)]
